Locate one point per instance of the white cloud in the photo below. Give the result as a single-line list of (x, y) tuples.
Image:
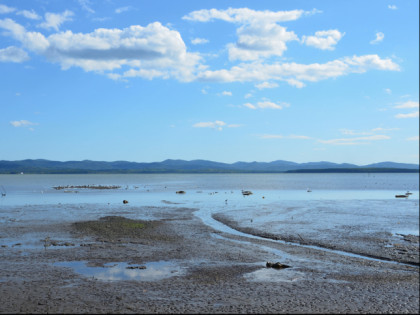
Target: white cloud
[(149, 52), (379, 38), (4, 9), (370, 132), (86, 5), (392, 7), (156, 51), (267, 104), (273, 136), (215, 124), (259, 35), (325, 40), (388, 91), (355, 141), (249, 105), (22, 123), (34, 41), (123, 9), (415, 138), (198, 41), (266, 85), (218, 124), (294, 73), (54, 20), (227, 93), (243, 15), (408, 104), (272, 105), (13, 54), (410, 115), (32, 15)]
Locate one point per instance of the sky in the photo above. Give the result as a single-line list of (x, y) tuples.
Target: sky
[(226, 81)]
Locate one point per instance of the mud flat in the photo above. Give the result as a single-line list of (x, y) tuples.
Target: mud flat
[(173, 263)]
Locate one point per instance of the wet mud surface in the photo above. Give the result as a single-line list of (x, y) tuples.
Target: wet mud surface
[(381, 245), (46, 267)]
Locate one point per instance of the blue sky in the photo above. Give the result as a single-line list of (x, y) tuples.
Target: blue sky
[(224, 80)]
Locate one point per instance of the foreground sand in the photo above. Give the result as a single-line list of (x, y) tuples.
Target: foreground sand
[(213, 272)]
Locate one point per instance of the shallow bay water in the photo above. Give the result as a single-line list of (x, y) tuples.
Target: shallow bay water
[(364, 201)]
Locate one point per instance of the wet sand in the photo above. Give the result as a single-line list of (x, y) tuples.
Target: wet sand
[(212, 271)]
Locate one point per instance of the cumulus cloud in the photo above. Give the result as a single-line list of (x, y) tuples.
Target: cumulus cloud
[(267, 104), (325, 40), (415, 138), (148, 52), (295, 73), (156, 51), (370, 132), (259, 35), (23, 123), (243, 15), (410, 115), (54, 20), (379, 38), (218, 124), (211, 124), (123, 9), (392, 7), (266, 85), (32, 15), (408, 104), (13, 54), (4, 9), (198, 41)]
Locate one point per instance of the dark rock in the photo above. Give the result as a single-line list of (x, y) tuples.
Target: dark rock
[(276, 265)]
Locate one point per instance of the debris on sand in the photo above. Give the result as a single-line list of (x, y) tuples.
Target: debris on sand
[(276, 265)]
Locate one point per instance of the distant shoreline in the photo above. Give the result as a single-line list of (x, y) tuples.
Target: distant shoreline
[(41, 166), (304, 171)]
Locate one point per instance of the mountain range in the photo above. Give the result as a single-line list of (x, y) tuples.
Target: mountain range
[(41, 166)]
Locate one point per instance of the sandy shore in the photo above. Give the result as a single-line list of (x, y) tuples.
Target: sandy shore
[(209, 271)]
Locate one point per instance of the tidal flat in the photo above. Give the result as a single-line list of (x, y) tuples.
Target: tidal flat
[(171, 262)]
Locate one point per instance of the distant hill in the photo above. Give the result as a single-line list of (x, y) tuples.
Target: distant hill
[(41, 166)]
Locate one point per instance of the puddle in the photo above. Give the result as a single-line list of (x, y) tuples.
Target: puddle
[(151, 271), (274, 275)]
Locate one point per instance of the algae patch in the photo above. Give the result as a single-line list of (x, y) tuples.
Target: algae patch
[(121, 229), (114, 227)]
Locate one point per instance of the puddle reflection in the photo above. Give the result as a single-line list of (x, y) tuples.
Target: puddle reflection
[(151, 271)]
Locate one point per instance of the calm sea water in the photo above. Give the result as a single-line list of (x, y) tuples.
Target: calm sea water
[(334, 201)]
